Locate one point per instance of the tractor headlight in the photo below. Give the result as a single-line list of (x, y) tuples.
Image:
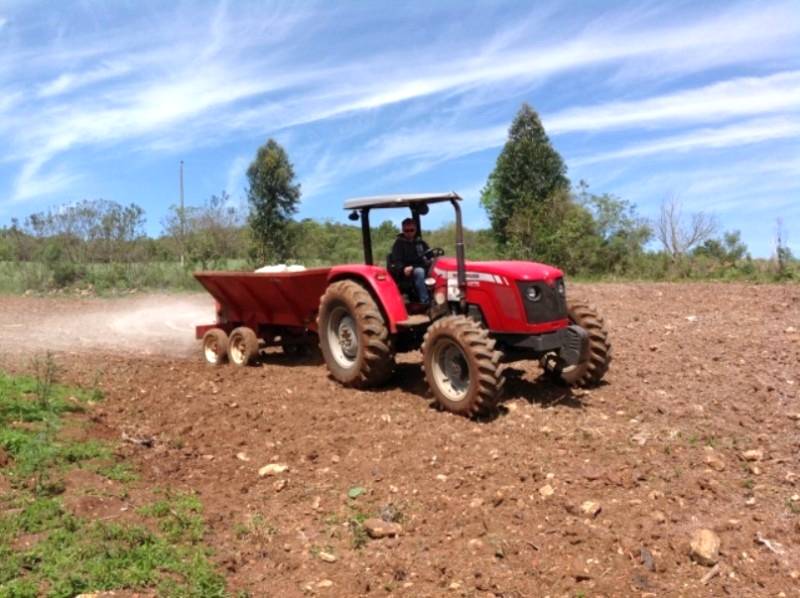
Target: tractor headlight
[(532, 293), (562, 290)]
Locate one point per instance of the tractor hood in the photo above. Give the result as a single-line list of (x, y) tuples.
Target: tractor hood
[(511, 269)]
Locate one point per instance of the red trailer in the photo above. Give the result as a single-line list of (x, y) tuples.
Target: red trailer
[(480, 315)]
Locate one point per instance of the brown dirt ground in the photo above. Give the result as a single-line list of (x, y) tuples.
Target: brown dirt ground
[(701, 373)]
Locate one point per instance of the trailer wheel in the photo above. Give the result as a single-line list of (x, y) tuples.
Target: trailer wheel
[(353, 336), (215, 346), (242, 346), (461, 366), (596, 356)]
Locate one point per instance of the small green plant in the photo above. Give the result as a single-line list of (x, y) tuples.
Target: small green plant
[(356, 525), (793, 506), (45, 372), (355, 492), (96, 394)]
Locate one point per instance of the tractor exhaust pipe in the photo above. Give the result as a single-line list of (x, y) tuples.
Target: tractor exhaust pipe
[(461, 266)]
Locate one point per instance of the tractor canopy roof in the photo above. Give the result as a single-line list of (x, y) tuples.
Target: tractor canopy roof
[(399, 201)]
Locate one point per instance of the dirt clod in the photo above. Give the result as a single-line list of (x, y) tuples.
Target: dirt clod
[(753, 455), (378, 528), (272, 469), (704, 547)]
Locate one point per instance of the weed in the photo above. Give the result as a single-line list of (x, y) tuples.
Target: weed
[(45, 371), (240, 530), (260, 528), (96, 395), (356, 525), (793, 506), (748, 483)]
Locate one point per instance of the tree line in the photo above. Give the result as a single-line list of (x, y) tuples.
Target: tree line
[(535, 211)]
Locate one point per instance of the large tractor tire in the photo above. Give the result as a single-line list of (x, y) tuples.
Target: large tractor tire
[(243, 346), (353, 336), (461, 366), (215, 347), (596, 355)]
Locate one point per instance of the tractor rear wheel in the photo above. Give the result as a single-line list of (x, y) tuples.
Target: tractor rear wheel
[(461, 366), (596, 355), (242, 346), (215, 346), (353, 336)]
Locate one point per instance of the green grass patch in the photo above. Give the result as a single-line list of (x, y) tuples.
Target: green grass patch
[(74, 555), (119, 472), (47, 551), (31, 410)]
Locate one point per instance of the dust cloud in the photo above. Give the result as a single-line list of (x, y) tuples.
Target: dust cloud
[(144, 325)]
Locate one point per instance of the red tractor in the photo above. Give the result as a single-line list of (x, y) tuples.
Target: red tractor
[(481, 314)]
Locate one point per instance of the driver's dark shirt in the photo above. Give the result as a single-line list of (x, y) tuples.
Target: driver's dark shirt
[(407, 253)]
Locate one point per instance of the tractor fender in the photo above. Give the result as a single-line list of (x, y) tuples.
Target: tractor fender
[(381, 286)]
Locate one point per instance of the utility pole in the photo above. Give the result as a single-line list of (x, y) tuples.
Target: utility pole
[(182, 219)]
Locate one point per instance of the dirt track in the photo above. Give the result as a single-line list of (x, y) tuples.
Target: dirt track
[(701, 374)]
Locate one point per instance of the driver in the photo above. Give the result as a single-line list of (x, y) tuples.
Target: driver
[(408, 258)]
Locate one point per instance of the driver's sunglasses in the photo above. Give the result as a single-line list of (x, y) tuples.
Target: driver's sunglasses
[(409, 230)]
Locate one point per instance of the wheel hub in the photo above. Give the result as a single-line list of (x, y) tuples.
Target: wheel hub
[(451, 370), (212, 351), (343, 337), (347, 337)]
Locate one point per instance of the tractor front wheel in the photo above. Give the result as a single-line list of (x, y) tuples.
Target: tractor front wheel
[(596, 355), (461, 366), (353, 336)]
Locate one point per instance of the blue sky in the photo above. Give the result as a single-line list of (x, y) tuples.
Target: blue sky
[(646, 100)]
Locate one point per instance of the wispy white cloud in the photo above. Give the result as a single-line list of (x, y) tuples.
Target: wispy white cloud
[(32, 182), (744, 96), (408, 151), (225, 72), (68, 82), (738, 134), (722, 187), (433, 144), (388, 79)]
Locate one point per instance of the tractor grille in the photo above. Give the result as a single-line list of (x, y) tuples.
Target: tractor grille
[(550, 306)]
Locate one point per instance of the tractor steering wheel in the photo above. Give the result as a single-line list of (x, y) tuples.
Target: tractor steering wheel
[(434, 252)]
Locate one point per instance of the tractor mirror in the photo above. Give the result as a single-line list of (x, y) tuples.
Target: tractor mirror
[(423, 209), (353, 216)]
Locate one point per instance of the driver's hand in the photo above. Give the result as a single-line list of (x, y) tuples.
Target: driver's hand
[(408, 270)]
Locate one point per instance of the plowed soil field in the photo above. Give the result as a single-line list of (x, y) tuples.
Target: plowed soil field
[(562, 493)]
